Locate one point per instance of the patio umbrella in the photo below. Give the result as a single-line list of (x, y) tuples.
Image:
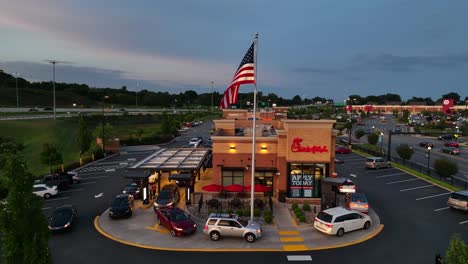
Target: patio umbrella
[(234, 188), (259, 188), (212, 188)]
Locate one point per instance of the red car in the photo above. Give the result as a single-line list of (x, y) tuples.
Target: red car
[(177, 221), (451, 144), (342, 150)]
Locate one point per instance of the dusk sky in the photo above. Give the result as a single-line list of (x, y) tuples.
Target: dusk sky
[(310, 48)]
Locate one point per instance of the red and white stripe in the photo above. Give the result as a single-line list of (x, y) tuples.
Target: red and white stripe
[(245, 74)]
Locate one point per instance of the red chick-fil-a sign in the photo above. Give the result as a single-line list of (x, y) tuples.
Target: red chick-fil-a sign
[(297, 147)]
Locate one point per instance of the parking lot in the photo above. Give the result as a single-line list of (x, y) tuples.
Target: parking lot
[(414, 211)]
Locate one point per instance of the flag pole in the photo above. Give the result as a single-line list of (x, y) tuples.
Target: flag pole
[(254, 126)]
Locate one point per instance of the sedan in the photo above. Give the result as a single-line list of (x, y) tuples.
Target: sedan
[(62, 218), (177, 221), (121, 206), (426, 144), (342, 150), (133, 190), (358, 202), (450, 150), (451, 144)]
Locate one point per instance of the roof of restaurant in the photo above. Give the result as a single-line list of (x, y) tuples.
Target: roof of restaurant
[(174, 159)]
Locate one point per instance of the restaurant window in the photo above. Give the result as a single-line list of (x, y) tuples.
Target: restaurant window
[(264, 178), (233, 177), (304, 179)]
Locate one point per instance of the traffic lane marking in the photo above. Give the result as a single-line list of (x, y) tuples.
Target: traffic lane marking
[(464, 222), (46, 208), (291, 239), (96, 177), (431, 196), (390, 175), (420, 187), (352, 163), (415, 179), (440, 209), (299, 258), (382, 169), (85, 183)]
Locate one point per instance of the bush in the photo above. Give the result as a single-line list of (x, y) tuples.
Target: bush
[(229, 211), (268, 217), (359, 133), (405, 152), (219, 211), (306, 207), (445, 167), (239, 212), (373, 138), (302, 219), (294, 206), (257, 212), (246, 212)]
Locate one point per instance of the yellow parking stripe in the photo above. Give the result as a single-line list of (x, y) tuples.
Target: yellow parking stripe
[(288, 233), (291, 239), (294, 247)]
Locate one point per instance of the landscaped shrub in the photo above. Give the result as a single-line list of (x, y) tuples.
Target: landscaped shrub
[(219, 211), (297, 210), (306, 207), (268, 217), (246, 212), (294, 206), (302, 219), (257, 212), (239, 212), (229, 211)]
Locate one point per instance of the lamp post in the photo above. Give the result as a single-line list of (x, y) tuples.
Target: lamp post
[(350, 128), (136, 96), (428, 159), (381, 142), (53, 62), (16, 81), (212, 95), (103, 124)]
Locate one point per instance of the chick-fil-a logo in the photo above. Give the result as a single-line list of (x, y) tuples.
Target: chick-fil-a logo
[(297, 147)]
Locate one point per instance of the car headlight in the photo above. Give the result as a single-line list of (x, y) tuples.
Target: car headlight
[(67, 224), (259, 230), (170, 204), (194, 225), (178, 229)]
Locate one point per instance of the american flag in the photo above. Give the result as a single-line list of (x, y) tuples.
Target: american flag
[(244, 74)]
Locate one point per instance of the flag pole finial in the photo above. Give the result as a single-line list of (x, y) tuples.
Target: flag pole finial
[(256, 34)]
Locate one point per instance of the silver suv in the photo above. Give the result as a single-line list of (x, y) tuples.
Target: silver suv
[(376, 163), (219, 225)]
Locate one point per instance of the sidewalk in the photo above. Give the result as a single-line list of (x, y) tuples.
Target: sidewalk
[(142, 231)]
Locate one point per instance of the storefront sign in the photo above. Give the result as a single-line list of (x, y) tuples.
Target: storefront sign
[(297, 147)]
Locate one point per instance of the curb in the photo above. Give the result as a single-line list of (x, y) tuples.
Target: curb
[(145, 207), (104, 233)]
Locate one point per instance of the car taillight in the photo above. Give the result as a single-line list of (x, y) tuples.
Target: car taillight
[(366, 206), (206, 227), (315, 219), (328, 225), (341, 187), (352, 204)]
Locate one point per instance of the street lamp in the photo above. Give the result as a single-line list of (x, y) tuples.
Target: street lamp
[(136, 96), (350, 128), (16, 80), (381, 142), (53, 62), (428, 159), (103, 124), (212, 95)]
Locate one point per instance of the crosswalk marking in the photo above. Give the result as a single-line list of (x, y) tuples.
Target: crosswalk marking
[(299, 258)]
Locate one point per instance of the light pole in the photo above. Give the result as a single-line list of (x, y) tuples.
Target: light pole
[(381, 142), (16, 81), (428, 159), (212, 95), (103, 121), (53, 62), (136, 96), (350, 128)]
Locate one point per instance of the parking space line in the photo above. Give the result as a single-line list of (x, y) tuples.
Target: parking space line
[(57, 199), (352, 163), (464, 222), (415, 179), (420, 187), (440, 209), (361, 159), (85, 183), (389, 175), (378, 170), (299, 258), (75, 190), (427, 197)]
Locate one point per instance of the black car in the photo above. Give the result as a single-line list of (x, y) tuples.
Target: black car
[(121, 206), (426, 144), (62, 218), (62, 181), (168, 197), (446, 137), (133, 190)]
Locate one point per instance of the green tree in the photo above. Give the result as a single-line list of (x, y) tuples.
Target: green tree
[(373, 138), (109, 131), (445, 168), (22, 222), (457, 252), (359, 133), (84, 138), (168, 125), (405, 152), (50, 156)]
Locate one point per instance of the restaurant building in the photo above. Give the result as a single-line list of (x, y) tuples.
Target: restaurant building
[(292, 156)]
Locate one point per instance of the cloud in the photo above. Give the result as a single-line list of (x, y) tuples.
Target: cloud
[(316, 70), (398, 63)]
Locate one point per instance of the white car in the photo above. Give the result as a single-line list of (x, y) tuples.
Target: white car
[(338, 220), (44, 190), (194, 142)]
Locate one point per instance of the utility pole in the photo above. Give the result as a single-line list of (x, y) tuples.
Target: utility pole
[(212, 95), (53, 62), (16, 80)]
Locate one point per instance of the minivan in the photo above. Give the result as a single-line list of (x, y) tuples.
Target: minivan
[(376, 163), (458, 200)]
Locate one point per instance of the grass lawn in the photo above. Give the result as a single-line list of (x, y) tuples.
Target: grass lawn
[(63, 133)]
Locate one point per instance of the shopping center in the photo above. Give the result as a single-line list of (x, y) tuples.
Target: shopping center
[(292, 156)]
